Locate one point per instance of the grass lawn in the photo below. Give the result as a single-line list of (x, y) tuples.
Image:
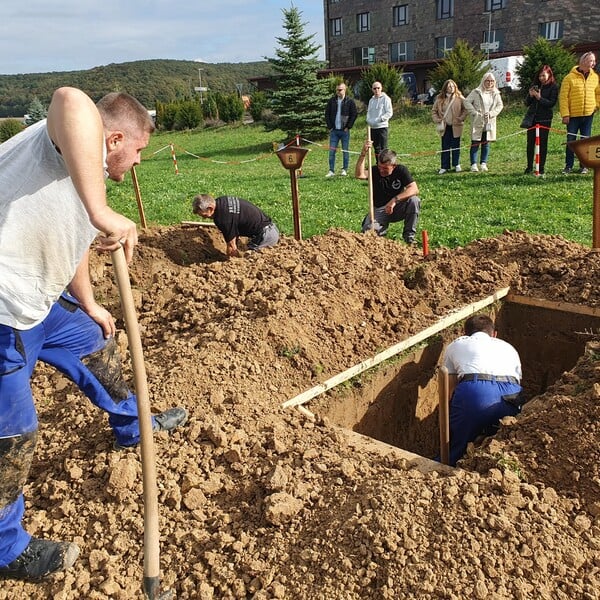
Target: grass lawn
[(456, 207)]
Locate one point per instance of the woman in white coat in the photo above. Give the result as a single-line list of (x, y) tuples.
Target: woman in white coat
[(484, 104)]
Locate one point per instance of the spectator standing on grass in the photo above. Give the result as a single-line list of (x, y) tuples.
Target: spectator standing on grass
[(395, 194), (485, 375), (236, 217), (448, 113), (379, 113), (340, 114), (484, 104), (579, 99), (541, 99), (52, 206)]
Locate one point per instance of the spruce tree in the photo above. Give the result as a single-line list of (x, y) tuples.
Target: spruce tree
[(560, 59), (300, 98), (35, 112), (461, 64)]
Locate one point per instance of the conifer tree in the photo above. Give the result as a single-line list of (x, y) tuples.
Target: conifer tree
[(35, 112), (543, 52), (463, 65), (300, 98)]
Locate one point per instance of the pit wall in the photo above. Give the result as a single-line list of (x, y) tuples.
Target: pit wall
[(397, 402)]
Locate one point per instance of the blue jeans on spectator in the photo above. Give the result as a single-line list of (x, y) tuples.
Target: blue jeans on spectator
[(450, 148), (485, 149), (581, 125), (335, 135)]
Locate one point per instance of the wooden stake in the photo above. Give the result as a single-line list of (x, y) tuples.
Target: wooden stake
[(444, 414), (138, 197), (370, 179), (442, 324)]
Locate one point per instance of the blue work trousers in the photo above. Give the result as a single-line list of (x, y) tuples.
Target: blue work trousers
[(476, 408), (62, 339)]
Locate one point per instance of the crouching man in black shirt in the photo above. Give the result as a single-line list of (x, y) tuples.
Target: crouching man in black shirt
[(236, 217)]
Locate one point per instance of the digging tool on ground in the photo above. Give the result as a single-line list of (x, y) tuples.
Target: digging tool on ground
[(151, 536), (443, 412)]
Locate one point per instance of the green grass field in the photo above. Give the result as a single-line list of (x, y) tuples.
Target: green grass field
[(456, 207)]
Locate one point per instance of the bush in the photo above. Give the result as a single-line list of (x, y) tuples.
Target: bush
[(389, 77), (541, 53), (257, 105), (463, 65), (189, 115), (8, 128)]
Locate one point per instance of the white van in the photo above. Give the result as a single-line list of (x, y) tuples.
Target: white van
[(505, 71)]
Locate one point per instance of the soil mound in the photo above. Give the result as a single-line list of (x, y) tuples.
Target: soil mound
[(261, 502)]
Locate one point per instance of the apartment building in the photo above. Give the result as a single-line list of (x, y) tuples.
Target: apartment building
[(415, 34)]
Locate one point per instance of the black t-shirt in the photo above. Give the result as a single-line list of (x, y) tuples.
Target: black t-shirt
[(237, 217), (385, 188)]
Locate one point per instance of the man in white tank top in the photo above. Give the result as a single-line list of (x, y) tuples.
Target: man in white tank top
[(52, 206)]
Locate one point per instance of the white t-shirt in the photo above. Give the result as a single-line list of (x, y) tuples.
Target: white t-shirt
[(481, 353), (44, 227)]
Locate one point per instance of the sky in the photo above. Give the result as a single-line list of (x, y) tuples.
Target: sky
[(41, 36)]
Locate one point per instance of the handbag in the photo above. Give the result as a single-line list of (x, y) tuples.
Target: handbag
[(441, 126), (527, 121)]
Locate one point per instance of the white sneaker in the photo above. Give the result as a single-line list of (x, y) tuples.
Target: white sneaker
[(483, 167), (343, 173), (474, 168), (330, 174), (441, 171), (458, 168)]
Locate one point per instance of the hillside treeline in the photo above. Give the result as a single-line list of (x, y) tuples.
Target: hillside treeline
[(148, 80)]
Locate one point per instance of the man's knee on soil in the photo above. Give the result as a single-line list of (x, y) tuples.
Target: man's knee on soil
[(16, 454), (106, 367)]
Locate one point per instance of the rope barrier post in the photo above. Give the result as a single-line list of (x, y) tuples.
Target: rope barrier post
[(174, 158), (370, 179), (537, 150)]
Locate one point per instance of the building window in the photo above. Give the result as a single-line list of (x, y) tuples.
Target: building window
[(400, 15), (444, 9), (402, 51), (442, 45), (335, 26), (363, 56), (363, 22), (552, 30), (491, 5), (495, 39)]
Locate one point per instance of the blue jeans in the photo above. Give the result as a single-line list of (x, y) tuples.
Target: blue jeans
[(485, 149), (581, 125), (335, 135), (450, 148)]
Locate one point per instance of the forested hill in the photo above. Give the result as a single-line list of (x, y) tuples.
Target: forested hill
[(147, 80)]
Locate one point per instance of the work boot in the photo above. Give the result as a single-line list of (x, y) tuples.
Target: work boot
[(164, 421), (168, 420), (40, 558)]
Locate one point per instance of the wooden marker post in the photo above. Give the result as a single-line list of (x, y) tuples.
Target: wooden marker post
[(588, 153), (370, 179)]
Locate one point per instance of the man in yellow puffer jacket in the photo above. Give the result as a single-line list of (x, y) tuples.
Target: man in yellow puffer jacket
[(578, 100)]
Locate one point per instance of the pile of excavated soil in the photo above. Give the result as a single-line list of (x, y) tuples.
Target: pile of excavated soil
[(261, 502)]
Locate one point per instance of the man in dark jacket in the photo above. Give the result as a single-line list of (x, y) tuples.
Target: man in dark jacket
[(236, 217), (340, 114)]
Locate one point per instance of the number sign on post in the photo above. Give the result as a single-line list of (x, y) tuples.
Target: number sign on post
[(291, 158)]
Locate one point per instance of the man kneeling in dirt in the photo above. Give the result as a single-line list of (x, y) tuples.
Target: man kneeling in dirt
[(395, 194), (485, 374), (236, 217)]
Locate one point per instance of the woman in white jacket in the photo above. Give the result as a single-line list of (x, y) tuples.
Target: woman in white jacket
[(379, 113), (484, 104)]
